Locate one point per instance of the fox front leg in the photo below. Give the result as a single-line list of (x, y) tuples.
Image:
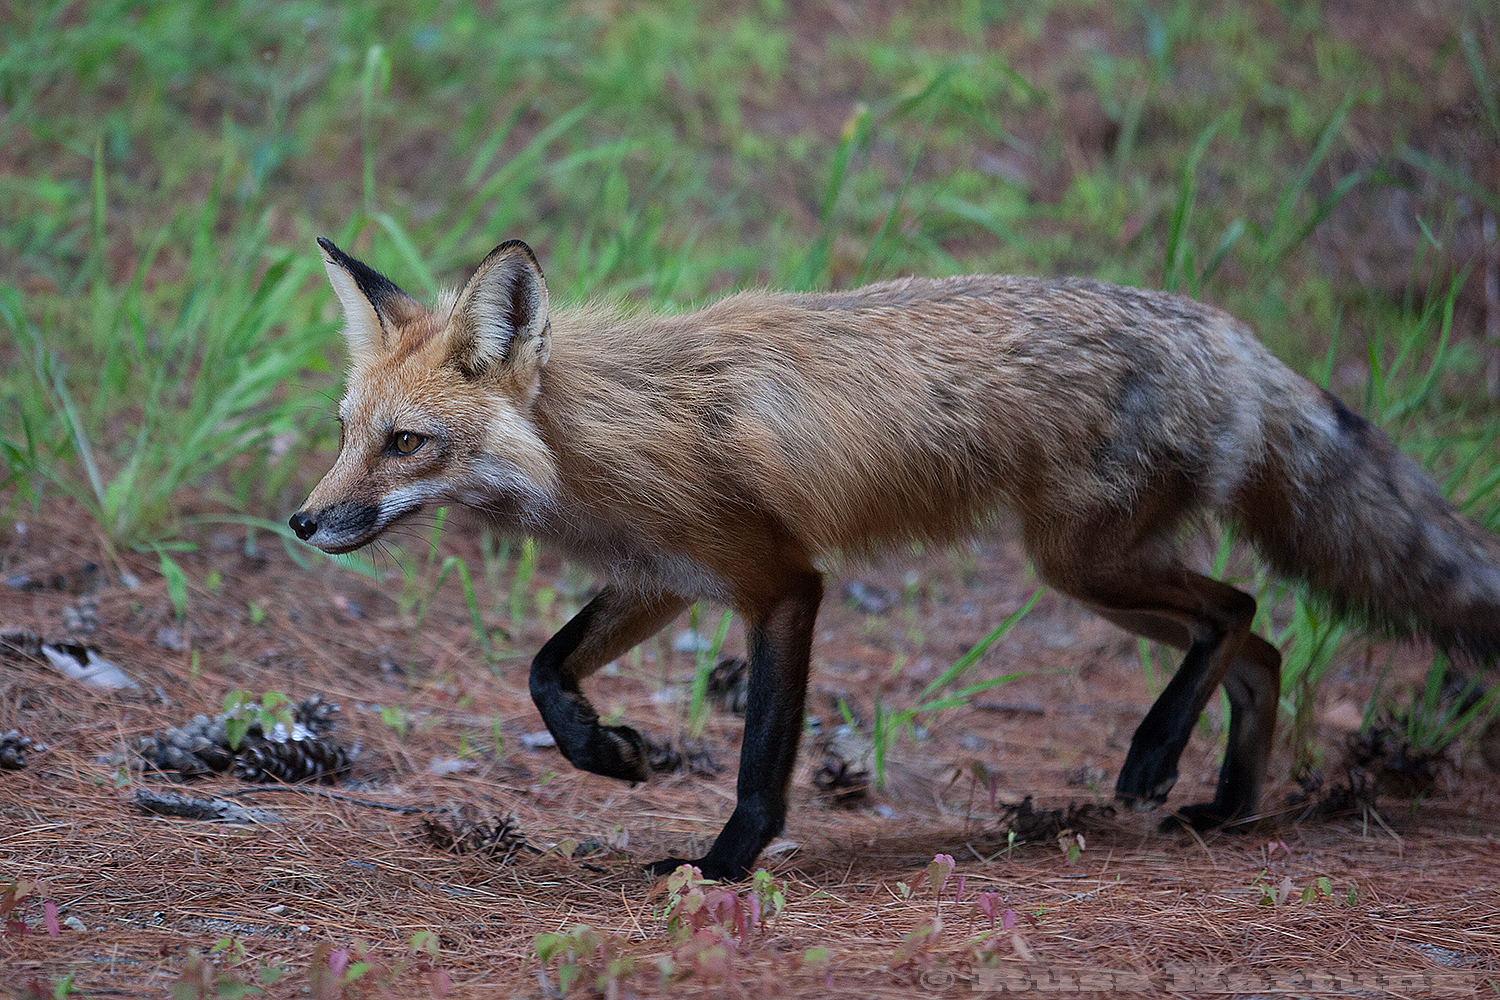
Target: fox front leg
[(779, 637), (607, 626)]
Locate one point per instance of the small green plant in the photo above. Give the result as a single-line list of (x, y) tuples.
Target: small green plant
[(1072, 845), (425, 948), (583, 951), (991, 905), (918, 943), (1322, 887), (37, 989), (696, 904), (1284, 891), (226, 973), (172, 572), (334, 970), (397, 718), (13, 896), (711, 925), (932, 698), (938, 871), (242, 710), (703, 665)]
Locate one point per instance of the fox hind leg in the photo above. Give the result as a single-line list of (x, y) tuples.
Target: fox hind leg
[(1253, 683), (1211, 622)]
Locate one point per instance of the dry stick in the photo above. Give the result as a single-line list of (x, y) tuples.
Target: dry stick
[(631, 910), (332, 795)]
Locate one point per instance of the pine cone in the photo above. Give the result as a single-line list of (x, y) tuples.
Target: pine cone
[(312, 759), (467, 831), (13, 747)]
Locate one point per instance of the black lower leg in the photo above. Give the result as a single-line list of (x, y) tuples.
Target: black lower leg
[(1253, 684), (779, 648), (1150, 768), (607, 625)]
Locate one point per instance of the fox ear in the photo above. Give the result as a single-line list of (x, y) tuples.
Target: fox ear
[(371, 301), (501, 315)]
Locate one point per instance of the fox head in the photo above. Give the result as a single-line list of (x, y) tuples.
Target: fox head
[(438, 406)]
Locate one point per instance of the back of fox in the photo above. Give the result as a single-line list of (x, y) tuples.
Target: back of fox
[(719, 453)]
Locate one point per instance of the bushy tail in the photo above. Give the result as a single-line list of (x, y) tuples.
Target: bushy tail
[(1334, 503)]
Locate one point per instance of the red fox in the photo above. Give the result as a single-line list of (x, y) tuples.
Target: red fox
[(719, 453)]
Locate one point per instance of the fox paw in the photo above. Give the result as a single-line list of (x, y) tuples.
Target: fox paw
[(615, 752), (1140, 788), (1143, 799), (710, 870), (1204, 816)]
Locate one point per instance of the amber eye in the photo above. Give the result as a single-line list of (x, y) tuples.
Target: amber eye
[(406, 442)]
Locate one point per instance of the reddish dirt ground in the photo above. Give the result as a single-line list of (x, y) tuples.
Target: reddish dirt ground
[(1414, 890)]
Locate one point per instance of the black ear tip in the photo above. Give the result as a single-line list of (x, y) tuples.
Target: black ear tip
[(516, 246)]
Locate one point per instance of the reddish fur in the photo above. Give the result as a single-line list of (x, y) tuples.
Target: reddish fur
[(720, 453)]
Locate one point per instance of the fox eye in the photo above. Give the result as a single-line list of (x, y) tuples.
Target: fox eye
[(406, 442)]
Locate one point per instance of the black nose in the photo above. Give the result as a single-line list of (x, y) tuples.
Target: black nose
[(303, 524)]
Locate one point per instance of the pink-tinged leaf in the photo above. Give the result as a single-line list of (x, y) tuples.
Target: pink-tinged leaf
[(441, 982), (958, 893), (1008, 920), (338, 961), (49, 910), (938, 871), (988, 903), (15, 928)]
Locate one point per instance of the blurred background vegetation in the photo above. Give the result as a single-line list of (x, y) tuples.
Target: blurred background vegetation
[(1328, 171)]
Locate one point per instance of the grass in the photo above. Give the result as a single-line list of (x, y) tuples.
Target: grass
[(169, 168), (170, 357)]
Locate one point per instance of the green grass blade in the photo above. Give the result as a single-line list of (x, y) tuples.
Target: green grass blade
[(855, 133), (1482, 82), (1177, 256), (1451, 177), (966, 661), (1289, 198)]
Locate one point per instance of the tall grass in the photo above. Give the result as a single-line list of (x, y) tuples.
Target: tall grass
[(159, 390)]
